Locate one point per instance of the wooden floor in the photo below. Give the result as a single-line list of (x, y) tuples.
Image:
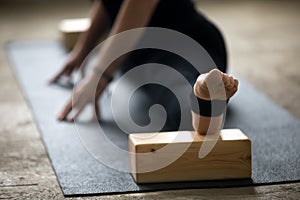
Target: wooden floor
[(263, 41)]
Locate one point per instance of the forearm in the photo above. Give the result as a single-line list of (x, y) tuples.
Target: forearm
[(132, 14), (98, 27)]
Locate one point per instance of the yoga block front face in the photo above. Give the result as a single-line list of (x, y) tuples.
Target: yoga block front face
[(229, 158)]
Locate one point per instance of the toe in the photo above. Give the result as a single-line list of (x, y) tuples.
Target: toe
[(227, 81), (236, 83), (231, 82)]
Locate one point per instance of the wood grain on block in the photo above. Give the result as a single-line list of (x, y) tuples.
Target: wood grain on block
[(230, 157), (71, 29)]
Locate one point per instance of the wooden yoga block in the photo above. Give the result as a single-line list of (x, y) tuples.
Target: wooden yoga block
[(71, 29), (230, 158)]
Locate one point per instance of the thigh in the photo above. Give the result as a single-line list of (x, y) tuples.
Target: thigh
[(212, 40)]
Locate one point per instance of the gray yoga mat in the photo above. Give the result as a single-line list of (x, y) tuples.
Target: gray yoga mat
[(274, 132)]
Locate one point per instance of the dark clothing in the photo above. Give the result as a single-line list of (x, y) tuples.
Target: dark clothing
[(172, 14), (181, 16)]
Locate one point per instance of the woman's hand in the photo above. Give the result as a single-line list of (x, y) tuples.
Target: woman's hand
[(87, 91), (86, 42), (73, 63)]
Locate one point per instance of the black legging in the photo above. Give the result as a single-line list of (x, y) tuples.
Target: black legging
[(210, 38), (178, 15)]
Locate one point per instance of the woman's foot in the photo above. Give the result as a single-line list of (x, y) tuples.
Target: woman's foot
[(212, 85), (215, 85)]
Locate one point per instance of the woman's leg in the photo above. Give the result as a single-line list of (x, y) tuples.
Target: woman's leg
[(211, 39)]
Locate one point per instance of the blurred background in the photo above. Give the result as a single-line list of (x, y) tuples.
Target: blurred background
[(263, 41)]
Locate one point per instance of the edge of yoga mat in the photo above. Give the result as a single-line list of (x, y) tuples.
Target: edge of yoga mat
[(73, 181)]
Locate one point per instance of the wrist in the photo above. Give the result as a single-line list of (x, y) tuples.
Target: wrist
[(81, 51), (102, 75)]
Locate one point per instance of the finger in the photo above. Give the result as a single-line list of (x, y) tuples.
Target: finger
[(57, 76), (82, 72), (97, 111), (79, 102), (66, 110), (66, 71), (79, 110)]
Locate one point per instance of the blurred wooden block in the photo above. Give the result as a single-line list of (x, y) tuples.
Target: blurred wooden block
[(230, 158), (71, 29)]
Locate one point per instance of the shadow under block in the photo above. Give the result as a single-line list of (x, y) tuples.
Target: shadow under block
[(71, 29), (230, 157)]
